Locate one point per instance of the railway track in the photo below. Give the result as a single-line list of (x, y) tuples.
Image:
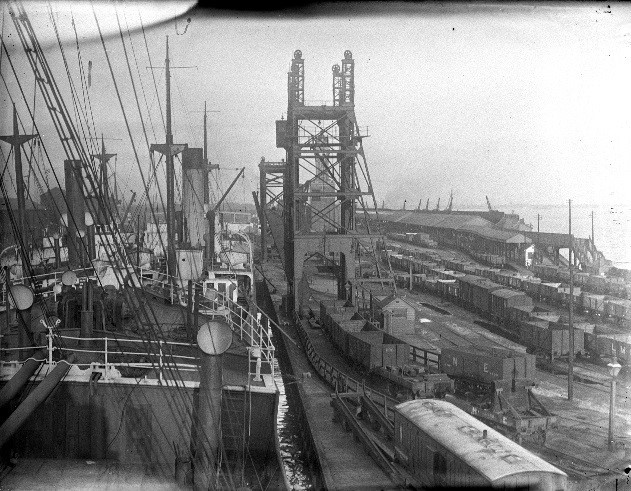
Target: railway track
[(578, 469)]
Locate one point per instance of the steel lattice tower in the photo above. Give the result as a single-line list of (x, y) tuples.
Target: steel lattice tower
[(325, 179)]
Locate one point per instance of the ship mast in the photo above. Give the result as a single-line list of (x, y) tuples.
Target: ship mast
[(169, 150), (16, 141), (103, 159), (170, 173)]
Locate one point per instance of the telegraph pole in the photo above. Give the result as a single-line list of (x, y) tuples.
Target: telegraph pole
[(570, 370)]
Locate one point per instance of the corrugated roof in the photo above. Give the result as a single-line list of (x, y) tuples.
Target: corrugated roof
[(495, 457), (509, 236)]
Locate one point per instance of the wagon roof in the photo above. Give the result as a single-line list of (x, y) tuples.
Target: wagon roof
[(385, 302), (495, 456), (506, 293)]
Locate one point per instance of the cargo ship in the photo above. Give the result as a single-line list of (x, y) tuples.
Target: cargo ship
[(136, 354)]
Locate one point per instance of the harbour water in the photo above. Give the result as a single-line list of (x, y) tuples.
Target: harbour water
[(295, 462)]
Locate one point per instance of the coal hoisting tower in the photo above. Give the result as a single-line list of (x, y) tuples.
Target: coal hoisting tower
[(325, 180)]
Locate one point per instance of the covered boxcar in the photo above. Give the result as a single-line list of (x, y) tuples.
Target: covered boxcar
[(443, 446), (502, 300), (476, 292)]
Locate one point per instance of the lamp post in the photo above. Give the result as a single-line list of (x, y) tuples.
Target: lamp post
[(614, 369)]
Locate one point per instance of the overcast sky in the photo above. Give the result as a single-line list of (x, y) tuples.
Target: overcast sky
[(525, 104)]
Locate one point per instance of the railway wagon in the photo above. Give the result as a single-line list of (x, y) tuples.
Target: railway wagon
[(476, 292), (329, 307), (453, 264), (597, 284), (546, 271), (549, 338), (618, 288), (402, 280), (619, 309), (418, 280), (520, 313), (481, 270), (431, 284), (340, 329), (448, 288), (564, 295), (443, 446), (549, 291), (593, 303), (366, 348), (341, 314), (428, 266), (531, 286), (503, 299), (609, 345), (486, 366)]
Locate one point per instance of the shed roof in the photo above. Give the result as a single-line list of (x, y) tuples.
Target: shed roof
[(495, 456)]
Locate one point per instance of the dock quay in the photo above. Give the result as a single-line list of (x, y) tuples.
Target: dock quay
[(575, 446), (343, 461)]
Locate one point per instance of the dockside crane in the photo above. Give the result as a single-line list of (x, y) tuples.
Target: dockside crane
[(488, 203), (451, 200), (427, 204), (438, 204), (131, 202), (211, 217), (420, 202)]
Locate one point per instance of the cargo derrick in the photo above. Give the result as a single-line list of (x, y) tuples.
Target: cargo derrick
[(319, 204)]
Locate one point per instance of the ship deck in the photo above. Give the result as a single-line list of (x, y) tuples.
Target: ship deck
[(67, 474)]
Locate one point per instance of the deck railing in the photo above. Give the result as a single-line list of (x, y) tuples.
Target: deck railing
[(252, 325), (161, 357)]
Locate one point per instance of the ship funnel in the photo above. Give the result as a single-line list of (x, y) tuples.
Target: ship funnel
[(214, 338), (194, 175)]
